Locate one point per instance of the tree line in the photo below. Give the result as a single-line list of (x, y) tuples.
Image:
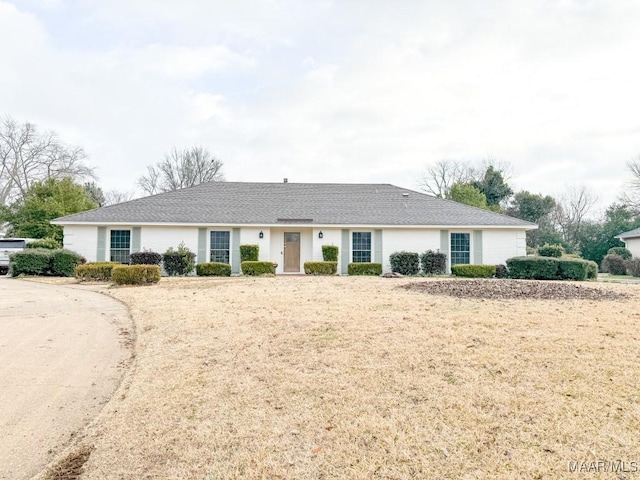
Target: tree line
[(42, 178), (563, 220)]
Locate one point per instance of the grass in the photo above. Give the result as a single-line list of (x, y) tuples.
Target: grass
[(333, 377)]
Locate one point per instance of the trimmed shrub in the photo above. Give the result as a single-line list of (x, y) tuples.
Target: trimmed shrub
[(433, 263), (213, 269), (533, 268), (501, 271), (178, 262), (570, 269), (64, 263), (364, 268), (592, 270), (551, 268), (320, 268), (35, 261), (48, 243), (633, 266), (98, 271), (548, 250), (614, 264), (253, 268), (43, 261), (473, 271), (622, 251), (249, 253), (330, 253), (145, 258), (135, 274), (405, 263)]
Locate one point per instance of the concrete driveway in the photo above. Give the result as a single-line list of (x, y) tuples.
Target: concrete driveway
[(61, 355)]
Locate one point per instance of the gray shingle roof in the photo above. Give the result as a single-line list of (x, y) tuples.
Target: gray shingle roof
[(280, 203), (630, 234)]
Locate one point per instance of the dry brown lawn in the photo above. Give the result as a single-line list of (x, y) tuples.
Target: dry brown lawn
[(356, 378)]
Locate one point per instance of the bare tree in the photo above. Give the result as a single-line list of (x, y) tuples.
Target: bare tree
[(631, 196), (571, 211), (27, 156), (111, 197), (438, 178), (181, 169)]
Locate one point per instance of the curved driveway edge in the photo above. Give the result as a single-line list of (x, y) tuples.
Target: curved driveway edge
[(62, 351)]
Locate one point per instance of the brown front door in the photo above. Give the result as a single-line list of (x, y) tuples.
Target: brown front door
[(291, 252)]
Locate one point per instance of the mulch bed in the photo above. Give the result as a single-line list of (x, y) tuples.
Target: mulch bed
[(506, 289)]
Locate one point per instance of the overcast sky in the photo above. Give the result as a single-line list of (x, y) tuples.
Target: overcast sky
[(334, 91)]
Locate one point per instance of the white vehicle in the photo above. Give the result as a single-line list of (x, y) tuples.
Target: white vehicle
[(9, 246)]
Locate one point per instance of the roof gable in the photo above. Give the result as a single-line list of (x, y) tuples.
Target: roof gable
[(283, 203)]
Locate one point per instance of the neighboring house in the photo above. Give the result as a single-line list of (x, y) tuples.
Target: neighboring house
[(291, 221), (631, 241)]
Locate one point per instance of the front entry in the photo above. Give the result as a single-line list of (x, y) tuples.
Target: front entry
[(292, 252)]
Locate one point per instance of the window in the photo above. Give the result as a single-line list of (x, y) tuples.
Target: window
[(120, 245), (460, 246), (361, 247), (220, 247)]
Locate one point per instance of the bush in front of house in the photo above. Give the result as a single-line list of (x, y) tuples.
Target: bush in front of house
[(180, 261), (633, 266), (146, 257), (320, 268), (35, 261), (551, 268), (364, 268), (43, 261), (249, 253), (253, 268), (135, 274), (592, 270), (501, 271), (48, 243), (614, 264), (97, 271), (433, 263), (64, 262), (405, 263), (622, 251), (533, 268), (330, 253), (548, 250), (473, 270), (213, 269)]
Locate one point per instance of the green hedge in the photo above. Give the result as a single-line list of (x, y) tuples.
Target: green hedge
[(98, 271), (547, 250), (320, 268), (433, 263), (180, 261), (145, 258), (405, 263), (258, 268), (48, 243), (213, 269), (633, 266), (364, 268), (330, 253), (135, 274), (249, 253), (551, 268), (473, 270), (42, 261), (614, 264)]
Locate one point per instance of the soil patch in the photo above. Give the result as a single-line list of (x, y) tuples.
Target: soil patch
[(508, 289)]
